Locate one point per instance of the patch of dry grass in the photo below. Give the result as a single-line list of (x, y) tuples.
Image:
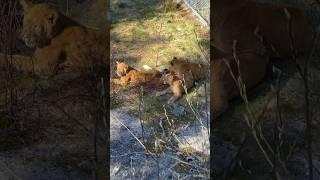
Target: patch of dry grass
[(154, 37)]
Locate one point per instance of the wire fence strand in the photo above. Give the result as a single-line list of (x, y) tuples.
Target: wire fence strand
[(200, 8)]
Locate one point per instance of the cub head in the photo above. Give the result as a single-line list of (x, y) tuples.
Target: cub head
[(122, 68), (39, 23), (167, 77)]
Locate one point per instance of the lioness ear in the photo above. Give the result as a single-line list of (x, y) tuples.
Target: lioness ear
[(165, 71), (53, 17), (25, 4)]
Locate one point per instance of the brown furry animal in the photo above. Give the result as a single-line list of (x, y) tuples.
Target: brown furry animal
[(259, 27), (130, 76), (262, 31), (183, 68), (181, 74), (176, 85), (59, 42), (224, 86)]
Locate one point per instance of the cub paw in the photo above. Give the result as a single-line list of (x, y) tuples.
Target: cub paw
[(171, 101), (158, 94), (116, 81)]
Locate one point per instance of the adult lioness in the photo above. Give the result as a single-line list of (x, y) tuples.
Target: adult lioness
[(59, 42), (224, 78), (259, 27), (181, 74), (130, 76), (256, 32), (183, 68)]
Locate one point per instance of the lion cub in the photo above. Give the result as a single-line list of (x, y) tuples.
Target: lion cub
[(130, 76), (181, 74)]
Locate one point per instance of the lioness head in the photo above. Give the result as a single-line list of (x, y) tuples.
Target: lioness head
[(39, 23), (181, 61), (122, 68), (176, 60), (184, 69)]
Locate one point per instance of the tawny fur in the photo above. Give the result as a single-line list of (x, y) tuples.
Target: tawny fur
[(176, 86), (261, 32), (182, 74), (132, 77), (259, 27), (223, 85), (59, 42), (183, 68)]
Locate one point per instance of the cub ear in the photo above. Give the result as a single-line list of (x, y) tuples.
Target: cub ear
[(117, 62), (53, 17), (25, 4)]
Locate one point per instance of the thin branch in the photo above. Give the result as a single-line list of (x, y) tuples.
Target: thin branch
[(305, 77), (140, 113)]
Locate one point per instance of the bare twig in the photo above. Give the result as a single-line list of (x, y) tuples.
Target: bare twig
[(278, 125), (103, 103), (234, 160), (140, 112), (95, 155), (305, 77), (250, 118), (10, 171), (184, 162), (207, 109), (8, 29), (202, 51), (76, 121)]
